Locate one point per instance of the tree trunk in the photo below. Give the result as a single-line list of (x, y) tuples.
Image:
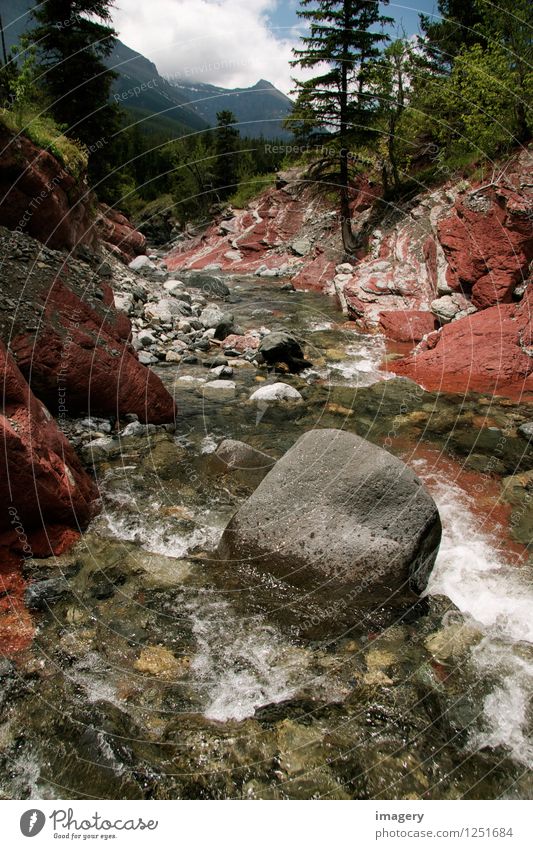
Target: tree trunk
[(348, 240), (4, 51)]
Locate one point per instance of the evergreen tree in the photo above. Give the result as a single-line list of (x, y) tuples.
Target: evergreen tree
[(344, 40), (227, 145), (453, 29), (73, 38)]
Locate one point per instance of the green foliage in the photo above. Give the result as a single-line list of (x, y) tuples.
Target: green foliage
[(249, 187), (72, 39), (454, 28), (226, 165), (45, 133)]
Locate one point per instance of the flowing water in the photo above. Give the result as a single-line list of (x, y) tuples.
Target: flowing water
[(153, 676)]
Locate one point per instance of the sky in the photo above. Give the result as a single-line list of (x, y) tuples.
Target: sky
[(232, 43)]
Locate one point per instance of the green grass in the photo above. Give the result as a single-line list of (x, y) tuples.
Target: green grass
[(45, 133), (251, 187)]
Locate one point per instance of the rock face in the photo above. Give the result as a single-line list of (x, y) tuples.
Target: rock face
[(41, 198), (488, 243), (489, 351), (41, 478), (340, 518), (68, 339), (433, 260), (118, 234), (407, 325), (257, 239)]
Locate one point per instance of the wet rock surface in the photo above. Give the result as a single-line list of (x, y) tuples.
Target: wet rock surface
[(41, 478), (155, 676), (341, 518)]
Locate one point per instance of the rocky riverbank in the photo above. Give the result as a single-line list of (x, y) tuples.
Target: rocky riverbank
[(158, 660), (174, 635), (446, 268)]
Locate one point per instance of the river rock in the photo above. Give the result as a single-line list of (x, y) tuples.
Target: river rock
[(141, 263), (211, 316), (222, 371), (235, 456), (526, 430), (147, 359), (343, 520), (210, 285), (226, 327), (174, 287), (124, 302), (100, 449), (276, 392), (138, 429), (42, 594), (281, 347), (219, 390)]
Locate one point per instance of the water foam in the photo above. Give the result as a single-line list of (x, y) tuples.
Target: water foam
[(361, 366), (238, 675), (498, 598)]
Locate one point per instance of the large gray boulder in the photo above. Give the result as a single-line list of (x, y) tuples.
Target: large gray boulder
[(343, 520)]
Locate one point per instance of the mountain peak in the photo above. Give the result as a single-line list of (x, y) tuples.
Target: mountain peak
[(263, 84)]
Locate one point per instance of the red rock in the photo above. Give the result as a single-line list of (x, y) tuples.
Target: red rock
[(257, 236), (41, 198), (119, 234), (316, 274), (488, 243), (41, 478), (367, 192), (407, 325), (16, 624), (241, 343), (251, 247), (78, 362), (484, 352), (120, 319), (53, 540)]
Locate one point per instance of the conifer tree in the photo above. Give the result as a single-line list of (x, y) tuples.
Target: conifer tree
[(73, 38), (344, 40), (226, 149)]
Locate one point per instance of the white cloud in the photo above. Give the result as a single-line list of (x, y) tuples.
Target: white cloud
[(227, 42)]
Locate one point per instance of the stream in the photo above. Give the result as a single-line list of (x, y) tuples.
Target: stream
[(152, 675)]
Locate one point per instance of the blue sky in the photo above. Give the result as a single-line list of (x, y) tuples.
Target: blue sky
[(405, 14)]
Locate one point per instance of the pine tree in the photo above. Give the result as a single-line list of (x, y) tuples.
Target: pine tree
[(345, 38), (227, 146), (73, 38), (455, 27)]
